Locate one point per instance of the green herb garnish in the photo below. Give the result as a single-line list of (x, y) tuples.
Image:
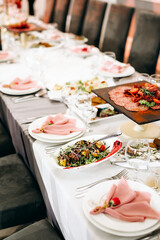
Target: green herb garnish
[(148, 104)]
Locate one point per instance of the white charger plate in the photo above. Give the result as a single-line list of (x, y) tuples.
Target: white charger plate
[(109, 142), (54, 138), (116, 226)]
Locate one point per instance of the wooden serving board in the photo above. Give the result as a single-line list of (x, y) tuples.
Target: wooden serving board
[(138, 117)]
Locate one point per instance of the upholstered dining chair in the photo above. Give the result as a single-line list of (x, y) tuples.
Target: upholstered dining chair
[(49, 11), (41, 230), (116, 30), (146, 43), (6, 146), (75, 16), (21, 201), (60, 13), (93, 21)]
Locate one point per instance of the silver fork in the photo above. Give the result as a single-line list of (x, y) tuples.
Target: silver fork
[(82, 190)]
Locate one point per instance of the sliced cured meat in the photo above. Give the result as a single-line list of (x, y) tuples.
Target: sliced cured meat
[(135, 107), (59, 119), (123, 101), (58, 125), (156, 107), (3, 55), (19, 84), (115, 96), (119, 89)]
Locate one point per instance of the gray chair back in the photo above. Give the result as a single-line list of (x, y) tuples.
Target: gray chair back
[(93, 21), (60, 13), (75, 16), (116, 30), (146, 43)]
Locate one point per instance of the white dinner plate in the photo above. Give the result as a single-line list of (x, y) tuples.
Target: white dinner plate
[(14, 92), (109, 142), (9, 57), (91, 52), (54, 138), (54, 142), (127, 72), (113, 225)]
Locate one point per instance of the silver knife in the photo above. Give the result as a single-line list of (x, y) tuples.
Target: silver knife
[(153, 235)]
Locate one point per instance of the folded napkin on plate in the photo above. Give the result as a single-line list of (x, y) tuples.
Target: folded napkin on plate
[(58, 125), (3, 55), (134, 206), (19, 84)]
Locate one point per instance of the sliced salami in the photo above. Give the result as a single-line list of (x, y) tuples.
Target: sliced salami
[(156, 107), (123, 101), (133, 106), (117, 90)]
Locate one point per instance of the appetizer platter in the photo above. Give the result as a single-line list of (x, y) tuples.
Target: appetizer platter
[(140, 101)]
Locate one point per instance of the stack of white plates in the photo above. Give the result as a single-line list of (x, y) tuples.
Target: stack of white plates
[(55, 139), (116, 226)]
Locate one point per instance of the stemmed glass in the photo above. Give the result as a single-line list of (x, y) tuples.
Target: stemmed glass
[(137, 154), (108, 60), (155, 79), (143, 77), (154, 167), (68, 95), (83, 103)]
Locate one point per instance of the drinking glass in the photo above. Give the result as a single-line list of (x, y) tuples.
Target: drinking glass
[(137, 154), (68, 94), (83, 103), (154, 167), (110, 54), (155, 79), (143, 77), (108, 60)]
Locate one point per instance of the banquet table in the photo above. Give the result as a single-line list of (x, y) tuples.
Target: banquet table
[(57, 185)]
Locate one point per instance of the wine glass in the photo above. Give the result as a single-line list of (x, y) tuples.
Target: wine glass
[(68, 94), (110, 55), (143, 77), (155, 79), (83, 103), (154, 167), (108, 60), (137, 154)]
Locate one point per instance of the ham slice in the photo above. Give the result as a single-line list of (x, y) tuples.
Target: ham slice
[(134, 205), (114, 68), (19, 84), (3, 55), (58, 125)]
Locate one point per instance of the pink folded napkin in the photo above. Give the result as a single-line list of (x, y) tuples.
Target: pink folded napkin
[(3, 55), (19, 84), (134, 206), (58, 125)]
